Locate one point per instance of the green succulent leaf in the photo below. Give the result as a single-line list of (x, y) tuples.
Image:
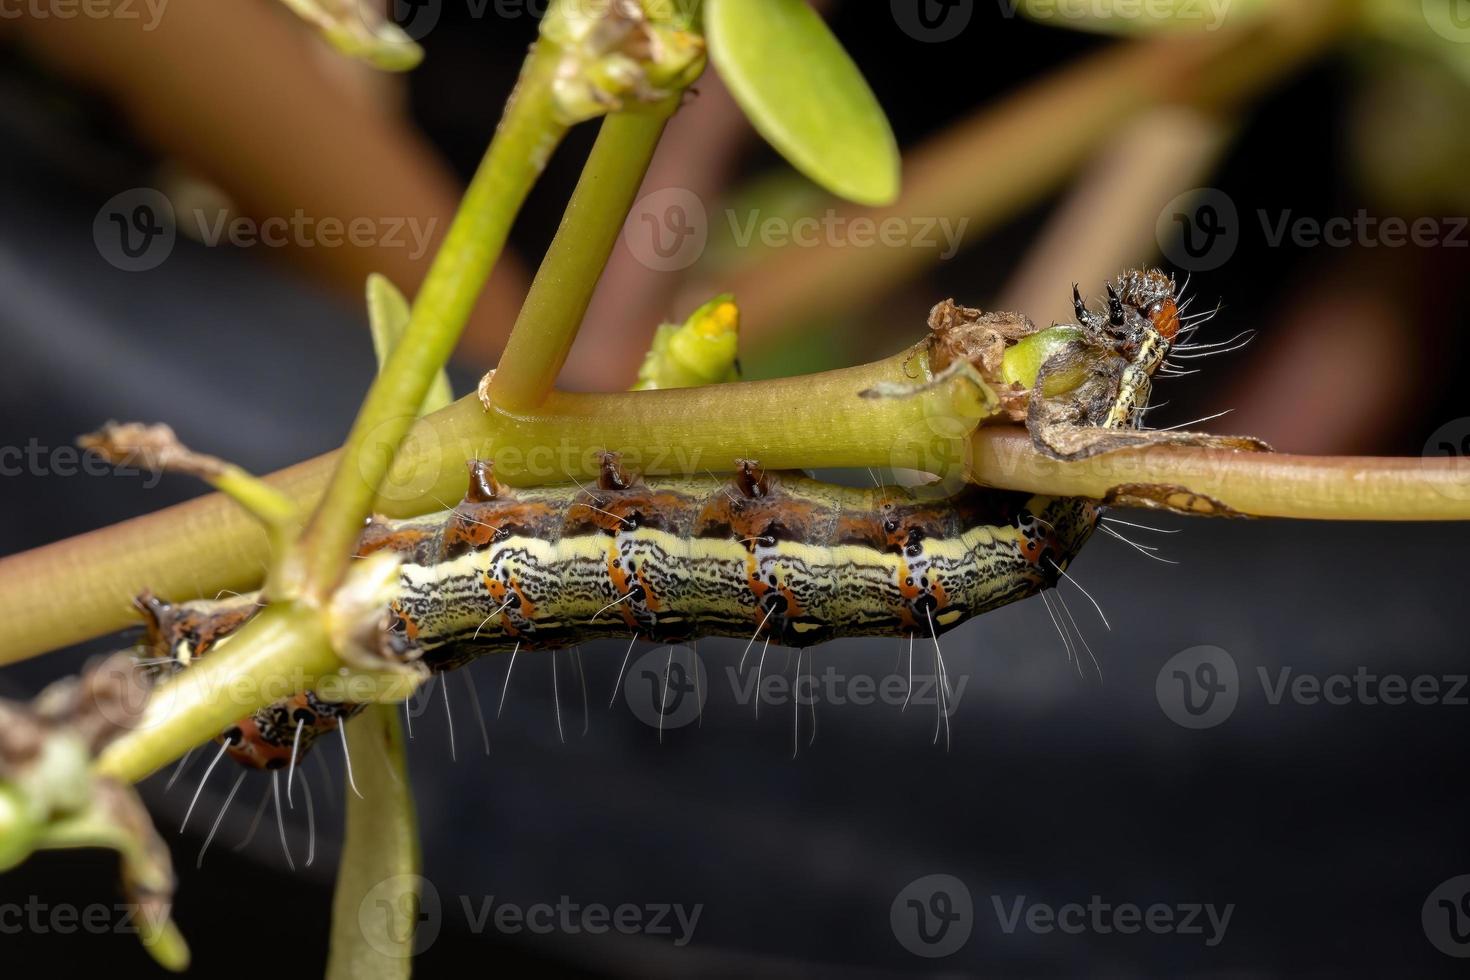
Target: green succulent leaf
[(803, 93)]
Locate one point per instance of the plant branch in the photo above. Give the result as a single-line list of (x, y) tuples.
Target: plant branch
[(379, 870), (207, 545), (568, 276), (1329, 488), (529, 131)]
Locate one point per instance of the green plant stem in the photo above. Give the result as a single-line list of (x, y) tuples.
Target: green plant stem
[(528, 133), (568, 276), (282, 650), (1331, 488), (207, 545), (378, 876)]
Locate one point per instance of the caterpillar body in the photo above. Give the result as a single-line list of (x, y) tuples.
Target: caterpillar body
[(773, 556)]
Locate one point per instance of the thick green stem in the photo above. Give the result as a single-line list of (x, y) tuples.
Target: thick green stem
[(569, 273), (207, 545), (528, 133)]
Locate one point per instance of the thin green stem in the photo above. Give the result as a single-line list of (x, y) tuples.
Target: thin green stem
[(374, 908), (282, 650), (528, 133), (569, 273), (1329, 488)]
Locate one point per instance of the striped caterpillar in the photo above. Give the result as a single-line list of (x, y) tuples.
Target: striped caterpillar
[(773, 556)]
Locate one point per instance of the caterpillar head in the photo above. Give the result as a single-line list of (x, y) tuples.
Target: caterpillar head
[(1141, 319)]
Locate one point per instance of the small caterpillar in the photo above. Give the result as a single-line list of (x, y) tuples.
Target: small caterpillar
[(772, 556)]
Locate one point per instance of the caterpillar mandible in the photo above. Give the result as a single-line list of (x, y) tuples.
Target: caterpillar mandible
[(773, 556)]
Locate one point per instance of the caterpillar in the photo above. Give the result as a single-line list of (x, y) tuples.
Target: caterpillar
[(767, 555)]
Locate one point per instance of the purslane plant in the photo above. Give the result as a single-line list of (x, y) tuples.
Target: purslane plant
[(632, 60)]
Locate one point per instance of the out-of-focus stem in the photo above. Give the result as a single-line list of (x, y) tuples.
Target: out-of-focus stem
[(1007, 157), (1107, 221)]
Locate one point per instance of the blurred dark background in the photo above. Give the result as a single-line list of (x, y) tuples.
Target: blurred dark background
[(1325, 826)]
